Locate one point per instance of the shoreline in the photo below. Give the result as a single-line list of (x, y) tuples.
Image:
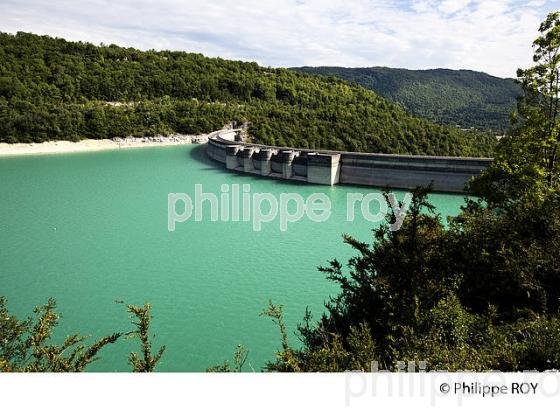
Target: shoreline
[(68, 147)]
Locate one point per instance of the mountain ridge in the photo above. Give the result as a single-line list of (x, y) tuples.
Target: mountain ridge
[(464, 98)]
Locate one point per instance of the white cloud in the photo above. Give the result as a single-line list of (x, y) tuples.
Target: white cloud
[(487, 35), (453, 6)]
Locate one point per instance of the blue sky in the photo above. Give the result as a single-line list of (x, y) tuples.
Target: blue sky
[(494, 36)]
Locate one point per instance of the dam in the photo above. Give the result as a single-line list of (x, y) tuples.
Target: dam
[(446, 174)]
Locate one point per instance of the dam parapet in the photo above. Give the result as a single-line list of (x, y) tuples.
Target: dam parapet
[(446, 174)]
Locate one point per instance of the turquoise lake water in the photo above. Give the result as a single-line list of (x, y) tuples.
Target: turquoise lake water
[(89, 229)]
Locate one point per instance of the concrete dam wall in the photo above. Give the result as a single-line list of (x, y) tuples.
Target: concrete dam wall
[(447, 174)]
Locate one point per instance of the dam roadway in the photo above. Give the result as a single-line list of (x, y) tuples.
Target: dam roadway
[(446, 174)]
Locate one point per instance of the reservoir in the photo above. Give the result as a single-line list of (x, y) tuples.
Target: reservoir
[(90, 229)]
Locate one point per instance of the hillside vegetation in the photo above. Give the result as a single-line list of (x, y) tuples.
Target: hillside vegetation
[(453, 97), (55, 89)]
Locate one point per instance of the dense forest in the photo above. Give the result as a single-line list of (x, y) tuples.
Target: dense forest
[(454, 97), (54, 89)]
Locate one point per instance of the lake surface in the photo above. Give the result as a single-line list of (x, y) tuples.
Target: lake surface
[(89, 229)]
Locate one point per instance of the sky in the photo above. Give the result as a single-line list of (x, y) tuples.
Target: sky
[(493, 36)]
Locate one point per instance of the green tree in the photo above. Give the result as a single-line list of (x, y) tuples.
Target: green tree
[(146, 362), (538, 109), (239, 359), (526, 161), (25, 347)]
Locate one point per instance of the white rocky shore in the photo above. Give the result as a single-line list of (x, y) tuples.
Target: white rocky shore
[(88, 145), (158, 139)]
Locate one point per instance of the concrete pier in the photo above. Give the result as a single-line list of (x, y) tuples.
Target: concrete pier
[(286, 158), (247, 158), (231, 156), (323, 168), (261, 160)]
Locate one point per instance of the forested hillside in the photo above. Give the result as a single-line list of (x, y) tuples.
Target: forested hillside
[(55, 89), (454, 97)]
